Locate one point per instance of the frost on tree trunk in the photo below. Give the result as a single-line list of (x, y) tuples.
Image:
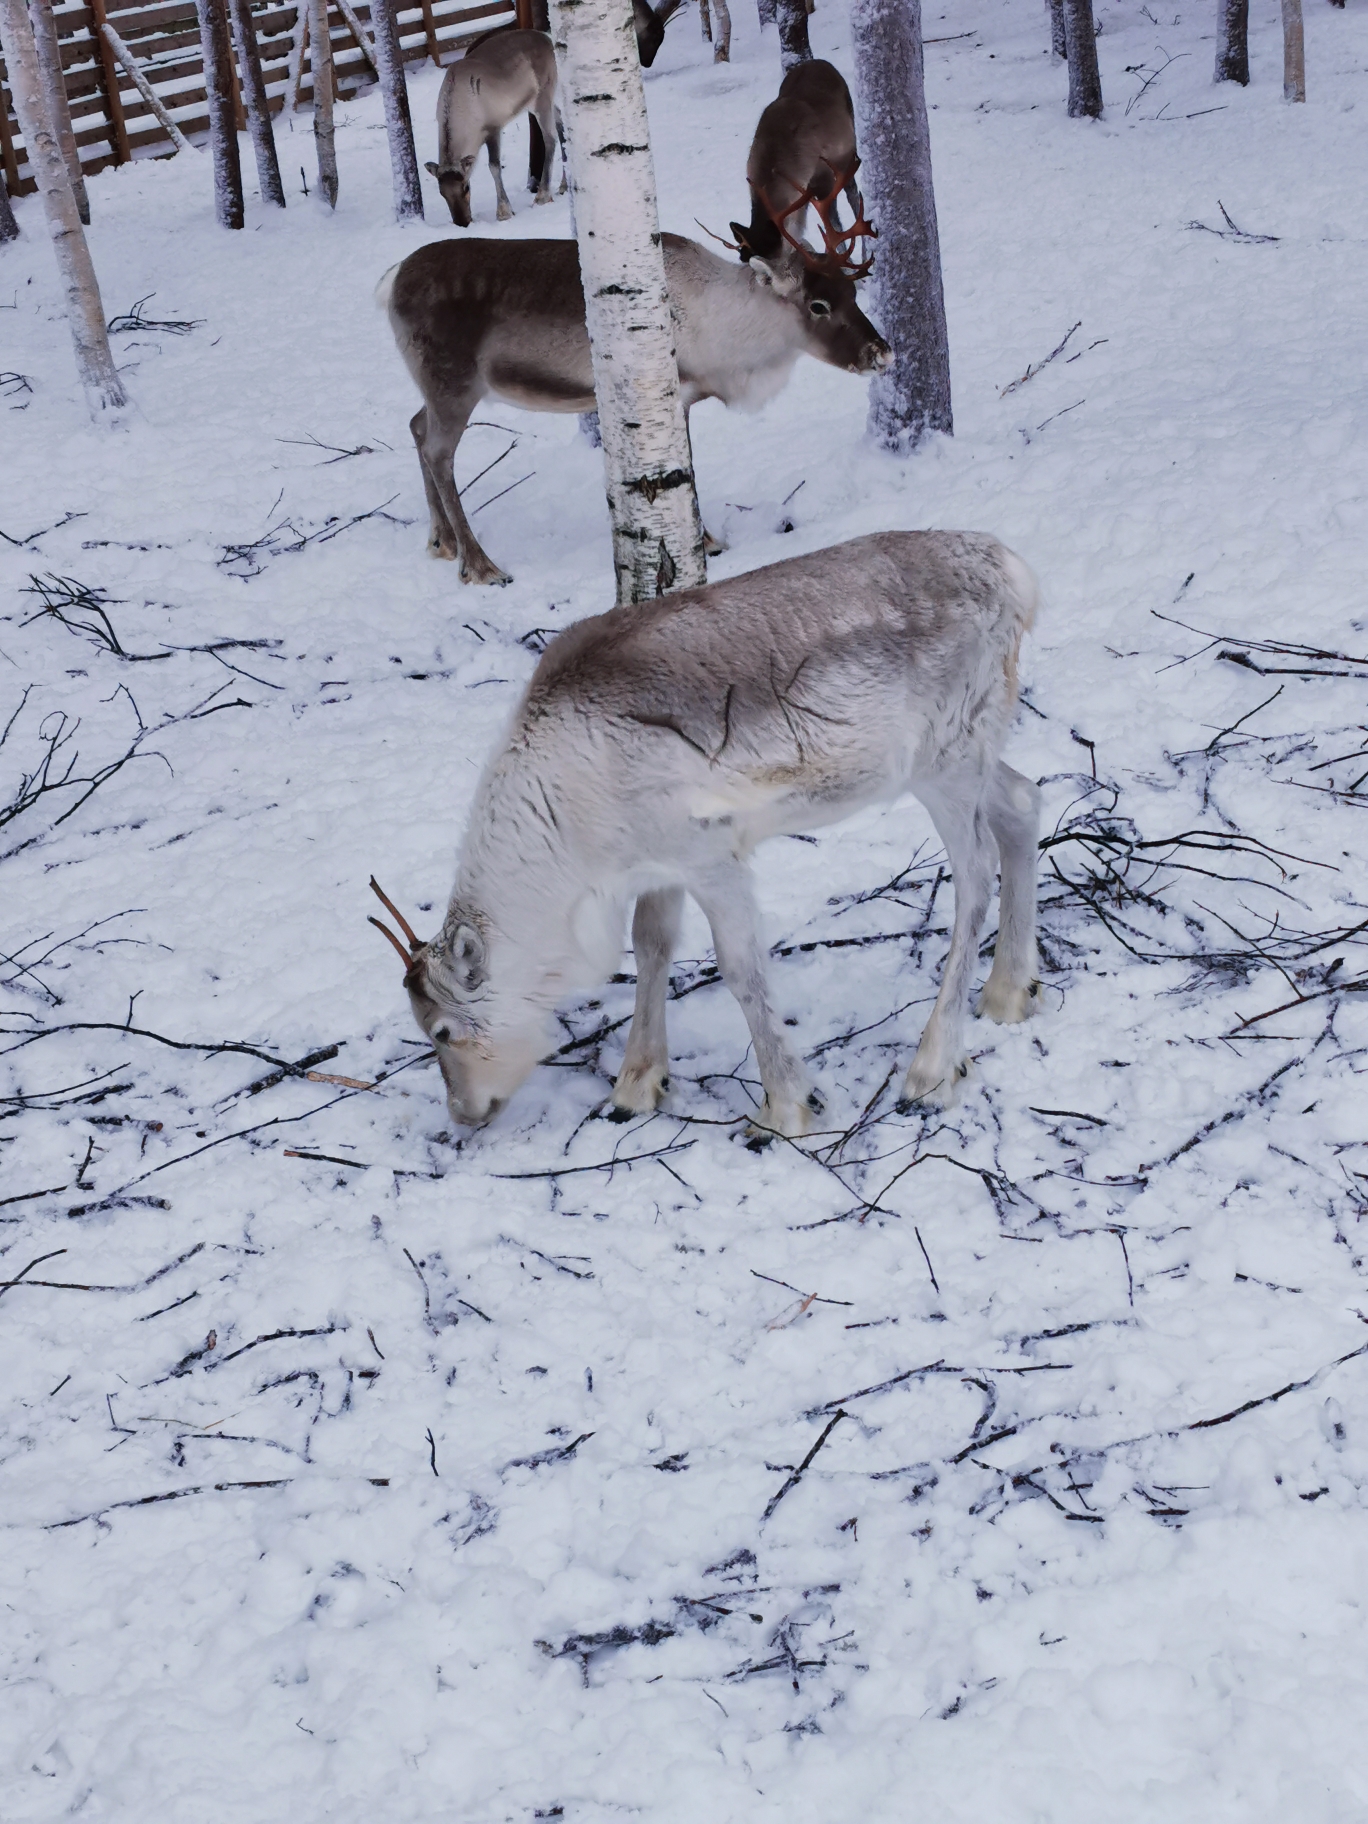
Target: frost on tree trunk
[(218, 87), (258, 108), (1080, 41), (408, 189), (1059, 45), (103, 388), (913, 397), (1294, 52), (657, 533), (49, 51), (9, 228), (1232, 41), (321, 70), (767, 12), (794, 47)]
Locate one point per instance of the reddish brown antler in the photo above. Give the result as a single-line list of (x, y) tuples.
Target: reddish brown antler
[(414, 941), (838, 249)]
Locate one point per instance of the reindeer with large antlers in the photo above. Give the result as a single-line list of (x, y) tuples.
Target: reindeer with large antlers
[(804, 154)]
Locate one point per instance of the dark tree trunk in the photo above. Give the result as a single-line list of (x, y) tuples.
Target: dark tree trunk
[(408, 188), (50, 63), (1085, 80), (258, 109), (9, 228), (1232, 41), (913, 398), (768, 14), (1059, 45), (218, 87), (794, 47)]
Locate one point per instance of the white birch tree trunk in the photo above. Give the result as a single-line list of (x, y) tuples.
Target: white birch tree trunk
[(50, 64), (912, 398), (104, 389), (258, 108), (657, 533), (144, 87), (389, 58), (320, 67), (217, 48)]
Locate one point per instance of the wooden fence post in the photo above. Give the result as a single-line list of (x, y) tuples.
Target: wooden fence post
[(109, 85), (430, 27), (7, 158)]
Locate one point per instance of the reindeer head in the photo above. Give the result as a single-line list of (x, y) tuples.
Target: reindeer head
[(487, 1040), (650, 22), (454, 183)]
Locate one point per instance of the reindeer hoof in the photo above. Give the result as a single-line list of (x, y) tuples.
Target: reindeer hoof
[(438, 547), (505, 213), (542, 196), (928, 1086), (1008, 1005), (486, 573), (788, 1121), (638, 1092), (712, 547)]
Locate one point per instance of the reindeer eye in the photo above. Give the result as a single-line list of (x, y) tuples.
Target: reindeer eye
[(443, 1035), (818, 307)]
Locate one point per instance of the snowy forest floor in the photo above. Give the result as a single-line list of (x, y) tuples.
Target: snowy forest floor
[(352, 1474)]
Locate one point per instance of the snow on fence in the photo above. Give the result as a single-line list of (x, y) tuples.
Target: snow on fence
[(112, 121)]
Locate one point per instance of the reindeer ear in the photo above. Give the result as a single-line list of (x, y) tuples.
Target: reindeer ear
[(465, 959), (429, 166), (743, 246)]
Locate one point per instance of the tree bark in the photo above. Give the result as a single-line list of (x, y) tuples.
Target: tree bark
[(321, 71), (1294, 52), (794, 46), (50, 65), (722, 46), (912, 398), (1059, 45), (104, 389), (766, 9), (657, 532), (218, 88), (9, 228), (144, 87), (408, 188), (1085, 80), (258, 108), (1232, 41)]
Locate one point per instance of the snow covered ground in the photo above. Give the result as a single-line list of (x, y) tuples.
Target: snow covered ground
[(350, 1474)]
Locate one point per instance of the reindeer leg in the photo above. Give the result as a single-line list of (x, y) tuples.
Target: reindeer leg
[(645, 1073), (712, 547), (441, 538), (544, 116), (1012, 991), (728, 903), (437, 441), (505, 210), (958, 807)]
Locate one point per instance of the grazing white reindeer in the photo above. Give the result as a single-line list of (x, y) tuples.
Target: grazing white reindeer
[(658, 744), (492, 84)]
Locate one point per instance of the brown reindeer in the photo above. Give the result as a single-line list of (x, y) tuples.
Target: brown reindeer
[(803, 152)]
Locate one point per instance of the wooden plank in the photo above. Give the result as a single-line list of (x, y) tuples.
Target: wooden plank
[(109, 72), (7, 155)]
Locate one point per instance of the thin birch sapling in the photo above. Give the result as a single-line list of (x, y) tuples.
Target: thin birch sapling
[(321, 70), (652, 503), (1232, 41), (1080, 47), (217, 49), (1294, 52), (44, 23), (258, 108), (912, 398), (389, 60), (104, 390)]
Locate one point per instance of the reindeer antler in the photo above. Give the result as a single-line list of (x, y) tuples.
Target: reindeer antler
[(414, 941), (838, 243)]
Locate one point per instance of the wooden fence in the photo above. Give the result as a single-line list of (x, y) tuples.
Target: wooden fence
[(113, 123)]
